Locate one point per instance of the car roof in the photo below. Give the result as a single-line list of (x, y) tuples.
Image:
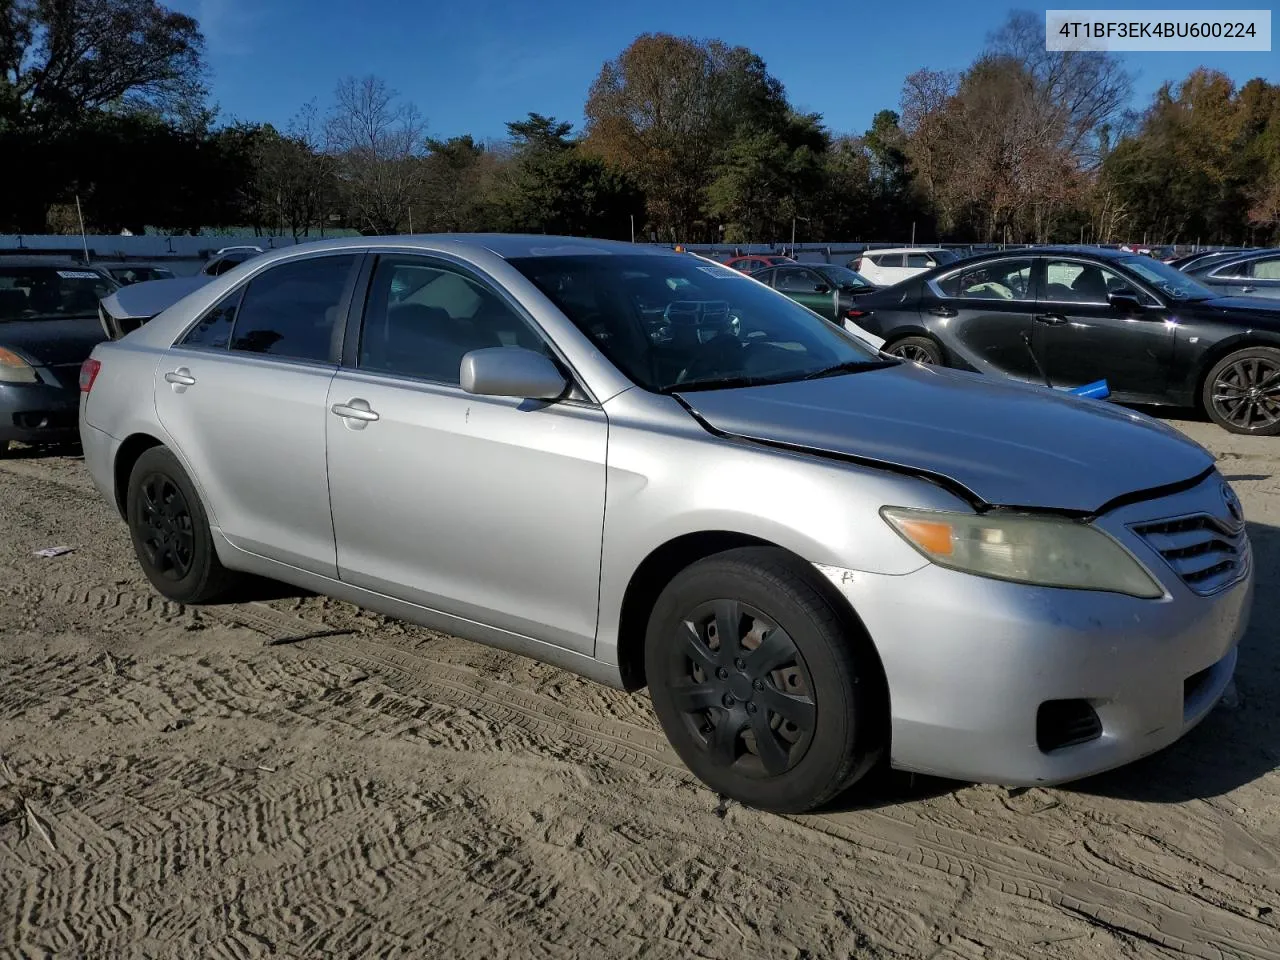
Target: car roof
[(877, 250), (505, 245), (131, 264), (38, 260)]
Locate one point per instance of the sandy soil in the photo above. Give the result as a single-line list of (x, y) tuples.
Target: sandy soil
[(172, 785)]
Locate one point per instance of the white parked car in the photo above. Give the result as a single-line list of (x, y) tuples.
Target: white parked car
[(884, 268)]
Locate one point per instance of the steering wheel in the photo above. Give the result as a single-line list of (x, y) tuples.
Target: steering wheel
[(718, 357)]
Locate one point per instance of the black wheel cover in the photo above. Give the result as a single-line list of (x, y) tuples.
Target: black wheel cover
[(742, 688), (165, 528)]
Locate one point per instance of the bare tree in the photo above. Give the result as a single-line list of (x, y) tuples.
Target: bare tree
[(1078, 92), (379, 143)]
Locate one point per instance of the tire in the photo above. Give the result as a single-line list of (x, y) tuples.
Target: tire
[(170, 531), (818, 667), (917, 350), (1241, 394)]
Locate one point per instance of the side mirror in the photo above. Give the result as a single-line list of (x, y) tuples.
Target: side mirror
[(512, 372), (821, 288), (1125, 301)]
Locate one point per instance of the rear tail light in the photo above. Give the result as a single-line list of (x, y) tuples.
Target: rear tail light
[(853, 313), (89, 373), (857, 265)]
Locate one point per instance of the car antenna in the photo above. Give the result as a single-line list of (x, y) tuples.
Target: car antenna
[(83, 239), (1026, 338)]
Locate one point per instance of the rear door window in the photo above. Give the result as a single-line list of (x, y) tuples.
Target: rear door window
[(294, 310), (1002, 280)]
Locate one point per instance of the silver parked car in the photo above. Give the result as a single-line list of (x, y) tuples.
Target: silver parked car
[(653, 470)]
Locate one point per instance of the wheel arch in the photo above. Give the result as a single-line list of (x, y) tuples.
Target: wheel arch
[(662, 565), (133, 447)]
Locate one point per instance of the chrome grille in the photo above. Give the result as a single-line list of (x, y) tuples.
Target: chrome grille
[(1207, 553)]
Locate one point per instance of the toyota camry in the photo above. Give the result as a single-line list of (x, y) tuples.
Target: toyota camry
[(655, 471)]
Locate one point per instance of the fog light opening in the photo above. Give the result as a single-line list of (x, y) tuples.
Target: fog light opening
[(1066, 723)]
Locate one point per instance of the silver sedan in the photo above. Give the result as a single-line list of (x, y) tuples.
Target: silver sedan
[(655, 471)]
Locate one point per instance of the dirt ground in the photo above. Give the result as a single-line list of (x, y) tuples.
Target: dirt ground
[(174, 785)]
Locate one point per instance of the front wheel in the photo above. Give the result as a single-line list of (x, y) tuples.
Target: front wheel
[(1242, 392), (916, 349), (768, 692)]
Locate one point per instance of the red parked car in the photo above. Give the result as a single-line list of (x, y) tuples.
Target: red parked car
[(756, 261)]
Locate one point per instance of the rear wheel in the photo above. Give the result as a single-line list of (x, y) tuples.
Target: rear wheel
[(1242, 392), (916, 349), (767, 691), (170, 531)]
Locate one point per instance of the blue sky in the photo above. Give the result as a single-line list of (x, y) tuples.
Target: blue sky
[(472, 65)]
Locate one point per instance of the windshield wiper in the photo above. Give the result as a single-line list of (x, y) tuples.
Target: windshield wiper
[(724, 383), (851, 366)]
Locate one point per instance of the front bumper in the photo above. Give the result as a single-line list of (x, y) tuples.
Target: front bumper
[(39, 412), (969, 661)]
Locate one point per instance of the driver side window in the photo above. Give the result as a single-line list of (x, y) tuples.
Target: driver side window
[(1075, 281), (422, 317)]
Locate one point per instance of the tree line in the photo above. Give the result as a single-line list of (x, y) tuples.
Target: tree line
[(685, 140)]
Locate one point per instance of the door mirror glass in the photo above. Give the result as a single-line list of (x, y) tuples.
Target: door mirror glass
[(1126, 301), (512, 372)]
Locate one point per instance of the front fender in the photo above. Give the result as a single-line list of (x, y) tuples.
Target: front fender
[(668, 482)]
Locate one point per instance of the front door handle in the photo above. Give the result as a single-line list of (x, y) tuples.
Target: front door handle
[(1050, 319), (355, 409), (180, 377), (1248, 289)]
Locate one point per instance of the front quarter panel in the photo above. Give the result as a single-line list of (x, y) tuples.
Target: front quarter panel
[(668, 477)]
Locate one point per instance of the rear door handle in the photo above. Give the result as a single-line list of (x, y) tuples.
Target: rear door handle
[(356, 409), (180, 377), (942, 310), (1248, 289), (1050, 319)]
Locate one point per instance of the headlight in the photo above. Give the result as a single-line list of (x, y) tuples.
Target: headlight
[(13, 369), (1048, 551)]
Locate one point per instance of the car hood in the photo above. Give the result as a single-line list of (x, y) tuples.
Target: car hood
[(1008, 444), (142, 301), (52, 342), (1261, 308)]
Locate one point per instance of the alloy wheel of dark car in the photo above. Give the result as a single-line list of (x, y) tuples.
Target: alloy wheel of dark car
[(767, 688), (743, 689), (1242, 392), (915, 349)]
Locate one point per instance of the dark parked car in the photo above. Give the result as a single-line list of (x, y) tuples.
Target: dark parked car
[(825, 288), (1253, 274), (48, 327), (1157, 335), (125, 272), (1195, 261)]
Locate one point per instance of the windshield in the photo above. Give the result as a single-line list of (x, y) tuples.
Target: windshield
[(51, 293), (674, 322), (1170, 281), (842, 276)]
